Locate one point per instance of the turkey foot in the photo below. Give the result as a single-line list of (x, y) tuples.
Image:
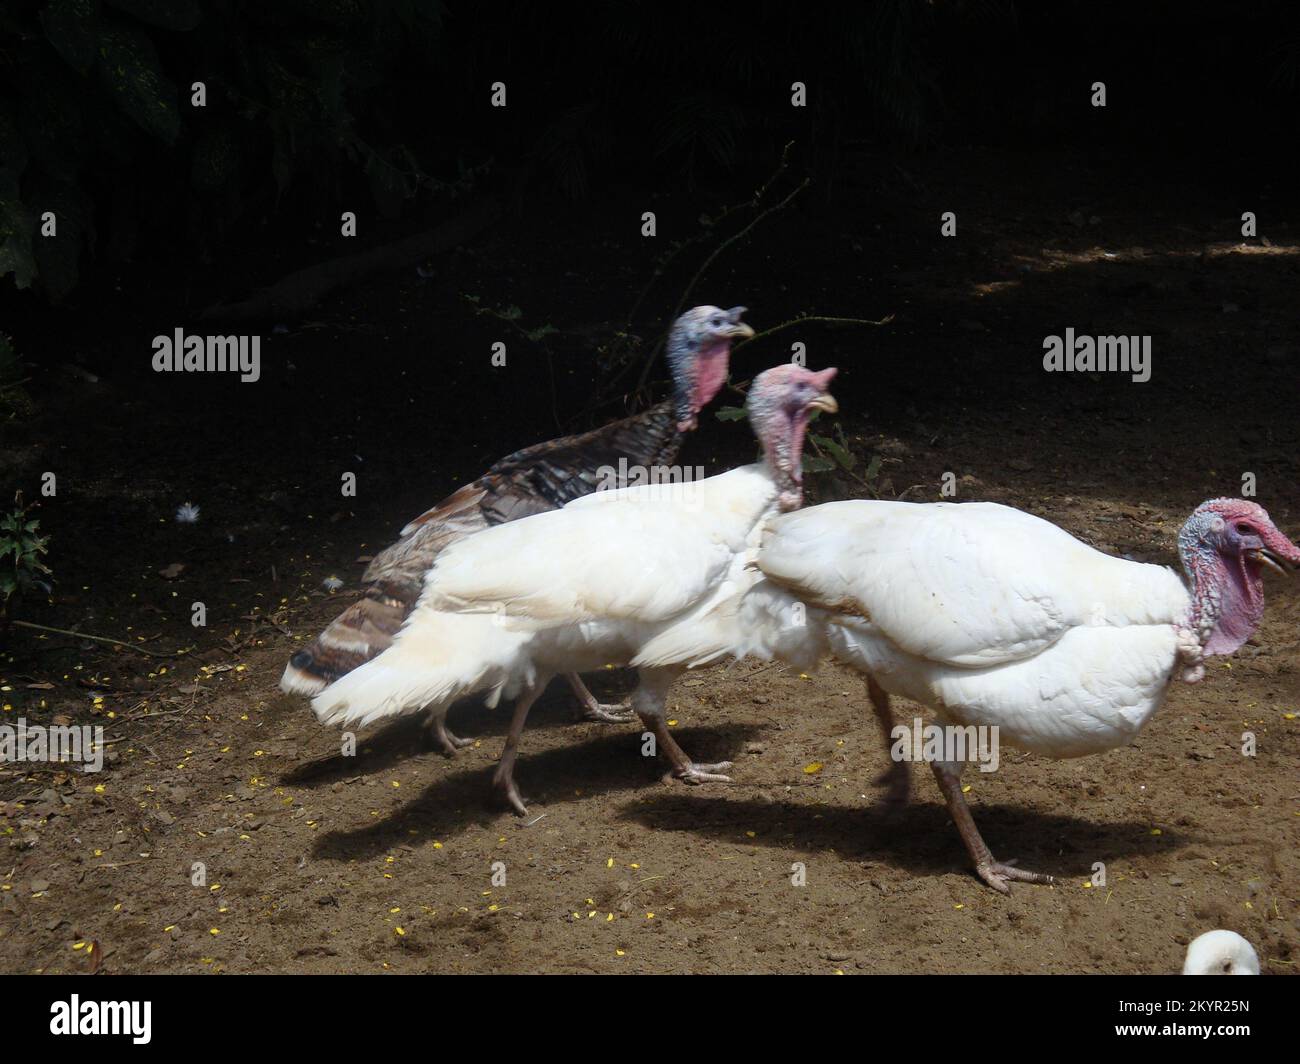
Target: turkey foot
[(683, 768), (508, 791), (596, 711), (436, 728), (996, 874), (696, 774), (503, 780)]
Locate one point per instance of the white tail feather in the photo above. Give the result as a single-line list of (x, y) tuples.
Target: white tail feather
[(436, 659), (778, 624)]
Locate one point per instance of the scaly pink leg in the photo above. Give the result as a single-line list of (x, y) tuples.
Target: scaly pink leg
[(504, 777), (436, 728), (996, 874), (595, 711), (650, 701)]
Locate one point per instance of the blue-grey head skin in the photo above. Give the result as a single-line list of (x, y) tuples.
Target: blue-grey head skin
[(699, 347)]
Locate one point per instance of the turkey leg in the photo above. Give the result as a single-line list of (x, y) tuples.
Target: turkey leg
[(436, 728), (650, 701), (996, 874), (595, 711), (897, 778), (504, 777)]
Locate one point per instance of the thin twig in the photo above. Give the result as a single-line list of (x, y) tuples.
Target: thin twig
[(97, 638), (662, 266), (814, 317), (740, 386), (690, 287)]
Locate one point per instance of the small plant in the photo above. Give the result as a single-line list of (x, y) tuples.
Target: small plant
[(21, 550), (15, 403), (511, 315), (829, 454), (832, 454)]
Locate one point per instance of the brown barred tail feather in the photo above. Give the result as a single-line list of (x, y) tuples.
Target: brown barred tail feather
[(356, 635)]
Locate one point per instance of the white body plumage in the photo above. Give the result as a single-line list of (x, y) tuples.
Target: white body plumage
[(565, 591), (984, 613), (1221, 953)]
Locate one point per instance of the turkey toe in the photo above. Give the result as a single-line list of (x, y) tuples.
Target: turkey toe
[(696, 774)]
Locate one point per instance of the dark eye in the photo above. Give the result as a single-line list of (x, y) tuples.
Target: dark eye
[(716, 323), (1245, 529)]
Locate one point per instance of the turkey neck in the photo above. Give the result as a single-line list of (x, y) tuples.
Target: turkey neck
[(783, 456), (1227, 594), (698, 375)]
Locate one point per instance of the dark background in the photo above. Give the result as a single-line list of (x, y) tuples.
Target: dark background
[(383, 107), (168, 213)]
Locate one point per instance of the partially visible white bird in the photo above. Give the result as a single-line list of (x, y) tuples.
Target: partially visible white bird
[(993, 617), (1221, 953), (574, 589)]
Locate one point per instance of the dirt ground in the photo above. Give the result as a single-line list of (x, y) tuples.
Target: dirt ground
[(385, 862)]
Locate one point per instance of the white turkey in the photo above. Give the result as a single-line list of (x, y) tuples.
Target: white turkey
[(537, 479), (991, 616), (575, 589), (1221, 953)]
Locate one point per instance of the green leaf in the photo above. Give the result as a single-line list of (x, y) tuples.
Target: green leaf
[(168, 14), (841, 455), (813, 464), (730, 413), (128, 65), (73, 27), (873, 468)]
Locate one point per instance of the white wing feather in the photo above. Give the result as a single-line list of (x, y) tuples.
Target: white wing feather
[(967, 585), (643, 554)]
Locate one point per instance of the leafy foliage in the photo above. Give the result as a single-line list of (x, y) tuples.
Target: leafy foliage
[(21, 551), (833, 454), (15, 403)]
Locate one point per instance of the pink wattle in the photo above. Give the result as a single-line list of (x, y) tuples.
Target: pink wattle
[(1241, 606), (710, 372)]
